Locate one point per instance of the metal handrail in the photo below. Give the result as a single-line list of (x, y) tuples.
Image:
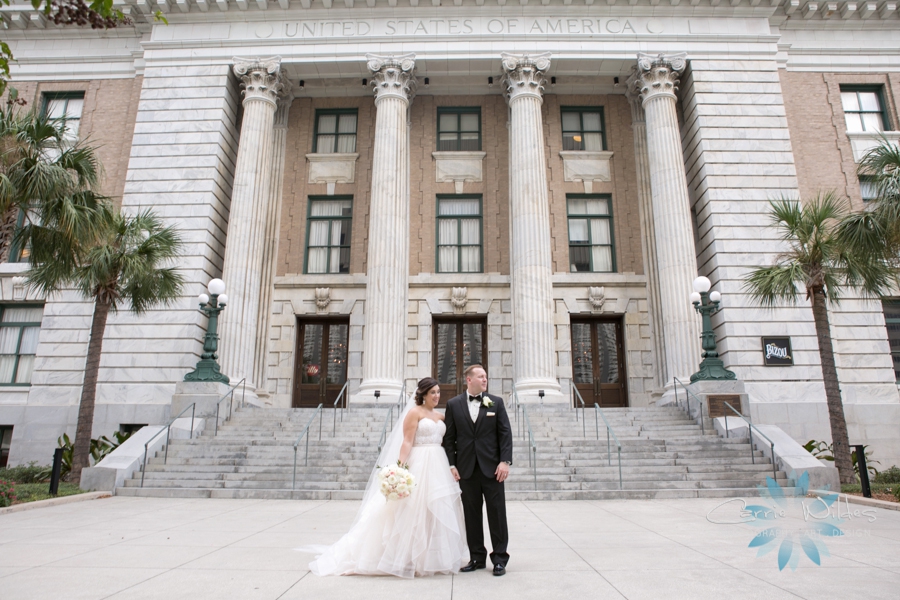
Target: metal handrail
[(191, 406), (687, 395), (752, 426), (231, 405), (583, 420), (532, 456), (389, 417), (340, 395), (299, 437), (609, 431)]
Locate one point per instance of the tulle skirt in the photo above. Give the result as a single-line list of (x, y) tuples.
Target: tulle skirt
[(421, 535)]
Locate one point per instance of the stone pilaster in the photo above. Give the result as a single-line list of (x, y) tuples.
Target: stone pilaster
[(657, 81), (263, 83), (648, 237), (534, 360), (387, 275)]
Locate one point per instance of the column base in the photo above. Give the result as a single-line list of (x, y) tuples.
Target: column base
[(528, 391), (388, 392), (204, 395)]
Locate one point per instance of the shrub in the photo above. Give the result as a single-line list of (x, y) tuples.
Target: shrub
[(30, 473), (825, 451), (892, 475), (7, 493)]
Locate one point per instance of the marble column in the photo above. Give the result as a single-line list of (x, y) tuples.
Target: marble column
[(676, 255), (270, 247), (387, 273), (534, 356), (648, 237), (263, 83)]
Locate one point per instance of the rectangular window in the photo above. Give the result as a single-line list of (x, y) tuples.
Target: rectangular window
[(864, 108), (459, 129), (459, 234), (868, 189), (583, 129), (5, 442), (65, 105), (335, 131), (328, 235), (20, 327), (590, 234), (892, 322)]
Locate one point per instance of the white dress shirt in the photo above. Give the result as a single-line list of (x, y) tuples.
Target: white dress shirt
[(474, 407)]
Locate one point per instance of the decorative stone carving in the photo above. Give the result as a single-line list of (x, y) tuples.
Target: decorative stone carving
[(458, 168), (659, 75), (332, 169), (18, 289), (262, 78), (323, 298), (597, 296), (586, 167), (393, 76), (459, 299), (524, 75)]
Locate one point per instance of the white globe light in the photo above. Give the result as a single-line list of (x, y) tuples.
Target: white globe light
[(216, 287), (715, 296), (695, 297), (223, 299), (702, 284), (203, 299)]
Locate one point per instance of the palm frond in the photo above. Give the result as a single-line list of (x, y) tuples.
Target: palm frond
[(774, 285)]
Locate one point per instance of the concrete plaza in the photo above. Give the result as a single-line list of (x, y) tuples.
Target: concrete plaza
[(244, 549)]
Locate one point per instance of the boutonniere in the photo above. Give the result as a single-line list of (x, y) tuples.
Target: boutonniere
[(487, 402)]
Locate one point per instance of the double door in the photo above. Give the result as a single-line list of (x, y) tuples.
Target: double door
[(458, 343), (320, 368), (598, 362)]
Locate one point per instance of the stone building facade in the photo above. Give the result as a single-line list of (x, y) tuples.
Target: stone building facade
[(391, 190)]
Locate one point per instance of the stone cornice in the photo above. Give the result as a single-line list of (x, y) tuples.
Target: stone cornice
[(393, 76), (524, 75), (261, 78), (659, 75)]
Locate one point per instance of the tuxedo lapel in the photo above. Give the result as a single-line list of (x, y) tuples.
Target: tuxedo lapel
[(463, 412), (482, 409)]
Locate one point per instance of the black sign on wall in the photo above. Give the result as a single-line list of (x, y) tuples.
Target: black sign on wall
[(777, 351)]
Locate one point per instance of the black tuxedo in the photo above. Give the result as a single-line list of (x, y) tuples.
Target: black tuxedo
[(475, 449)]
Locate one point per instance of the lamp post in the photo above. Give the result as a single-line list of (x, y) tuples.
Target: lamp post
[(207, 368), (706, 303)]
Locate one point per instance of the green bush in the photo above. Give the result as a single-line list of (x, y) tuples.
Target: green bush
[(824, 451), (7, 493), (30, 473), (31, 492), (892, 475), (881, 488)]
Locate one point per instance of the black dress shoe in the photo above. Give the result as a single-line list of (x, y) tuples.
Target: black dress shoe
[(471, 567), (499, 570)]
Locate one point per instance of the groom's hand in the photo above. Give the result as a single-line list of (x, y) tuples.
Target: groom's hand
[(455, 473), (502, 472)]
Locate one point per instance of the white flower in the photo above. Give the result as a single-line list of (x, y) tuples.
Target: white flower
[(402, 487), (392, 479), (393, 496), (486, 402)]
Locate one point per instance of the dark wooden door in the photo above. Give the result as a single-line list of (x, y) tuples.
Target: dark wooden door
[(458, 343), (598, 361), (320, 367)]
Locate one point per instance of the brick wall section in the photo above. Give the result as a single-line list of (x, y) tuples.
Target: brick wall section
[(623, 187), (294, 204), (818, 129)]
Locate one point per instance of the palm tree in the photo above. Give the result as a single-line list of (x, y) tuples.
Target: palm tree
[(121, 261), (879, 225), (824, 259)]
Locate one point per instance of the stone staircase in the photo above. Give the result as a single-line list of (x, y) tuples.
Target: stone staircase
[(664, 455)]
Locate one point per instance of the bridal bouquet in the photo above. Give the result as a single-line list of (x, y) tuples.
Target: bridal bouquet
[(396, 482)]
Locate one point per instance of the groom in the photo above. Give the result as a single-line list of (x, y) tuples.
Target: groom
[(479, 446)]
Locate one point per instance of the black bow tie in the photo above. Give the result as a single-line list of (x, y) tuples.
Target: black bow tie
[(474, 398)]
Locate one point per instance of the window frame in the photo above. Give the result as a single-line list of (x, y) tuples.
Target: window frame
[(458, 110), (46, 97), (310, 218), (581, 110), (867, 179), (887, 322), (879, 91), (612, 230), (21, 325), (458, 218), (4, 458), (338, 112)]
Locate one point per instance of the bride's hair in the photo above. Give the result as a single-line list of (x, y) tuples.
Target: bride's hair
[(423, 388)]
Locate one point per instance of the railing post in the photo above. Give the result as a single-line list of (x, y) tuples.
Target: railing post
[(620, 466), (608, 449), (168, 431), (294, 479), (534, 450), (193, 409), (144, 469), (306, 458), (321, 414), (775, 470), (217, 420), (726, 424)]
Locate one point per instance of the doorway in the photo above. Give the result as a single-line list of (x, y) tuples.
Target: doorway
[(320, 367), (598, 362), (458, 343)]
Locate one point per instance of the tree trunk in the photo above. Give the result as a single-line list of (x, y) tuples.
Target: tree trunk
[(82, 452), (839, 437), (8, 232)]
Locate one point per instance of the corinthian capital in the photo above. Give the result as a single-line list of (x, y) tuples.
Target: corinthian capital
[(261, 78), (393, 76), (633, 87), (658, 75), (523, 75)]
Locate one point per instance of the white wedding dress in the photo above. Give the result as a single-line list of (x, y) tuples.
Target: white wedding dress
[(423, 534)]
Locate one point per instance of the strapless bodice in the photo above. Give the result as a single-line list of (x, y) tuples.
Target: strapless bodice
[(429, 432)]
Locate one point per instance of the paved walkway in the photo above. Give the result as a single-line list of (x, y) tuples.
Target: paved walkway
[(243, 549)]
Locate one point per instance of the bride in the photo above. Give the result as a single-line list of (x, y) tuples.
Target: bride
[(420, 535)]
